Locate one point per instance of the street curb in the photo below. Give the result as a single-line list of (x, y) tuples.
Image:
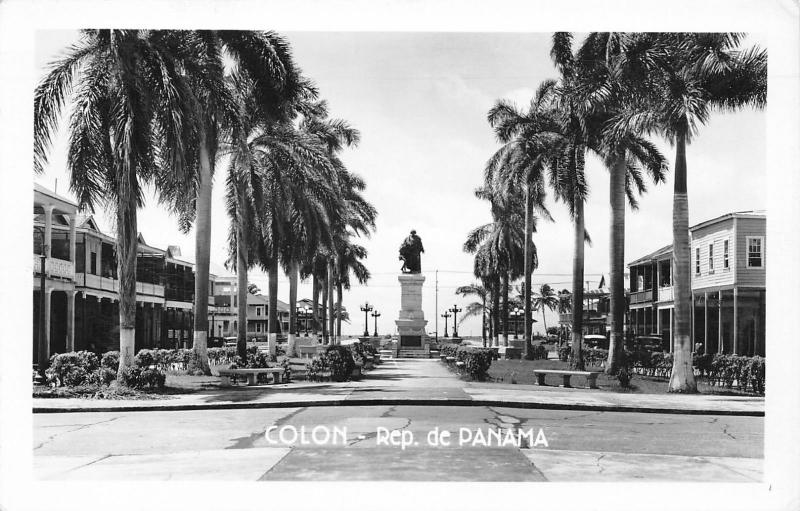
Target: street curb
[(399, 401)]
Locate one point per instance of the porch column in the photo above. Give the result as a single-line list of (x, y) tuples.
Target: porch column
[(73, 218), (47, 300), (659, 326), (71, 320), (705, 320), (719, 321), (694, 339), (735, 320), (48, 233), (672, 332)]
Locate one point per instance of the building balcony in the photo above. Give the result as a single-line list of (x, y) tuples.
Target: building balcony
[(58, 268), (665, 294), (112, 285), (641, 296)]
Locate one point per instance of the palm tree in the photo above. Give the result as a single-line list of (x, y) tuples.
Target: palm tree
[(209, 58), (124, 90), (692, 75), (614, 82), (475, 308), (545, 298), (499, 246), (520, 163)]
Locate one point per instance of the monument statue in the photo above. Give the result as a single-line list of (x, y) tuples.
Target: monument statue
[(409, 253)]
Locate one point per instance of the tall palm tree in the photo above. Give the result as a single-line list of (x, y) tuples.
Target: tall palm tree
[(475, 308), (615, 85), (520, 163), (124, 90), (692, 75), (348, 261), (545, 298), (208, 58), (499, 244)]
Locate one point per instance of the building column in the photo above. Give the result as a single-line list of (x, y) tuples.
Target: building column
[(71, 320), (48, 232), (47, 300), (672, 332), (735, 320), (719, 321), (705, 320), (694, 298), (73, 219)]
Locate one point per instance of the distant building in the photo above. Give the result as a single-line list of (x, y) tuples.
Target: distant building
[(595, 312), (728, 263), (223, 319)]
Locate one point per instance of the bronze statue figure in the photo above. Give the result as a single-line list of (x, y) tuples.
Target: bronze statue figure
[(409, 253)]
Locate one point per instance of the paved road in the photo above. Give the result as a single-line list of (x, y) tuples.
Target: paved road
[(232, 445)]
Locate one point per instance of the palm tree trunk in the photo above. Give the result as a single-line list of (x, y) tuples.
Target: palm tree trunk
[(576, 357), (324, 317), (293, 273), (544, 321), (617, 259), (339, 293), (528, 272), (202, 245), (127, 241), (330, 303), (241, 276), (273, 326), (315, 288), (505, 308), (483, 320), (496, 309), (682, 377)]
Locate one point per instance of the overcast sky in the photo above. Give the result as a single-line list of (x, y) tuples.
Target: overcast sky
[(420, 101)]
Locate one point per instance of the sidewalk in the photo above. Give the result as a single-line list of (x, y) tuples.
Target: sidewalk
[(418, 382)]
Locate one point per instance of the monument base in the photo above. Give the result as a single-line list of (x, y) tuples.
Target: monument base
[(411, 320)]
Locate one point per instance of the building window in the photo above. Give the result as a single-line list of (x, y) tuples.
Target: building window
[(725, 260), (755, 252), (697, 261), (93, 262), (258, 311), (258, 327), (711, 258)]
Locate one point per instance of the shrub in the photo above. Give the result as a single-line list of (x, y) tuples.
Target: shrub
[(71, 369), (110, 360), (476, 360), (564, 353), (340, 362), (137, 377), (538, 352)]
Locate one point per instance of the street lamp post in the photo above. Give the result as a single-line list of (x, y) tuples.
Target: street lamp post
[(455, 310), (375, 315), (445, 316), (366, 308)]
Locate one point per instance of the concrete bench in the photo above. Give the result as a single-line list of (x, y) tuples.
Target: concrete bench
[(591, 377), (277, 374)]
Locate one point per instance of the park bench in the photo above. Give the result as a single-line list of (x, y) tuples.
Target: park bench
[(591, 377), (277, 374)]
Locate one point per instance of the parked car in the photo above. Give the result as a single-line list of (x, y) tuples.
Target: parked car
[(595, 341), (649, 343)]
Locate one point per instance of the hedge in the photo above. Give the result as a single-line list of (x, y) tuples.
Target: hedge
[(477, 361)]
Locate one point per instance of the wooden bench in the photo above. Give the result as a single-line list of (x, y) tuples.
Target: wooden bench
[(591, 377), (277, 374)]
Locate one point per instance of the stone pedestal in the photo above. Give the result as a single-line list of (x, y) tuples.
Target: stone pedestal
[(411, 320)]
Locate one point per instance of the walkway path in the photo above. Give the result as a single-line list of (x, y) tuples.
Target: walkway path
[(419, 382)]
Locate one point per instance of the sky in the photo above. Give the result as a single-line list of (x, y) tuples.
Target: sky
[(420, 101)]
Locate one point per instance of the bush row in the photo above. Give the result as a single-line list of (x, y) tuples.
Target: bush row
[(477, 361), (84, 368), (337, 362)]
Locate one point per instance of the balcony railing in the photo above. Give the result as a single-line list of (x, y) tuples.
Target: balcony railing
[(112, 285), (642, 296), (54, 267), (665, 293)]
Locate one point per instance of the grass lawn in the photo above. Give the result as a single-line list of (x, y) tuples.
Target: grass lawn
[(521, 372)]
